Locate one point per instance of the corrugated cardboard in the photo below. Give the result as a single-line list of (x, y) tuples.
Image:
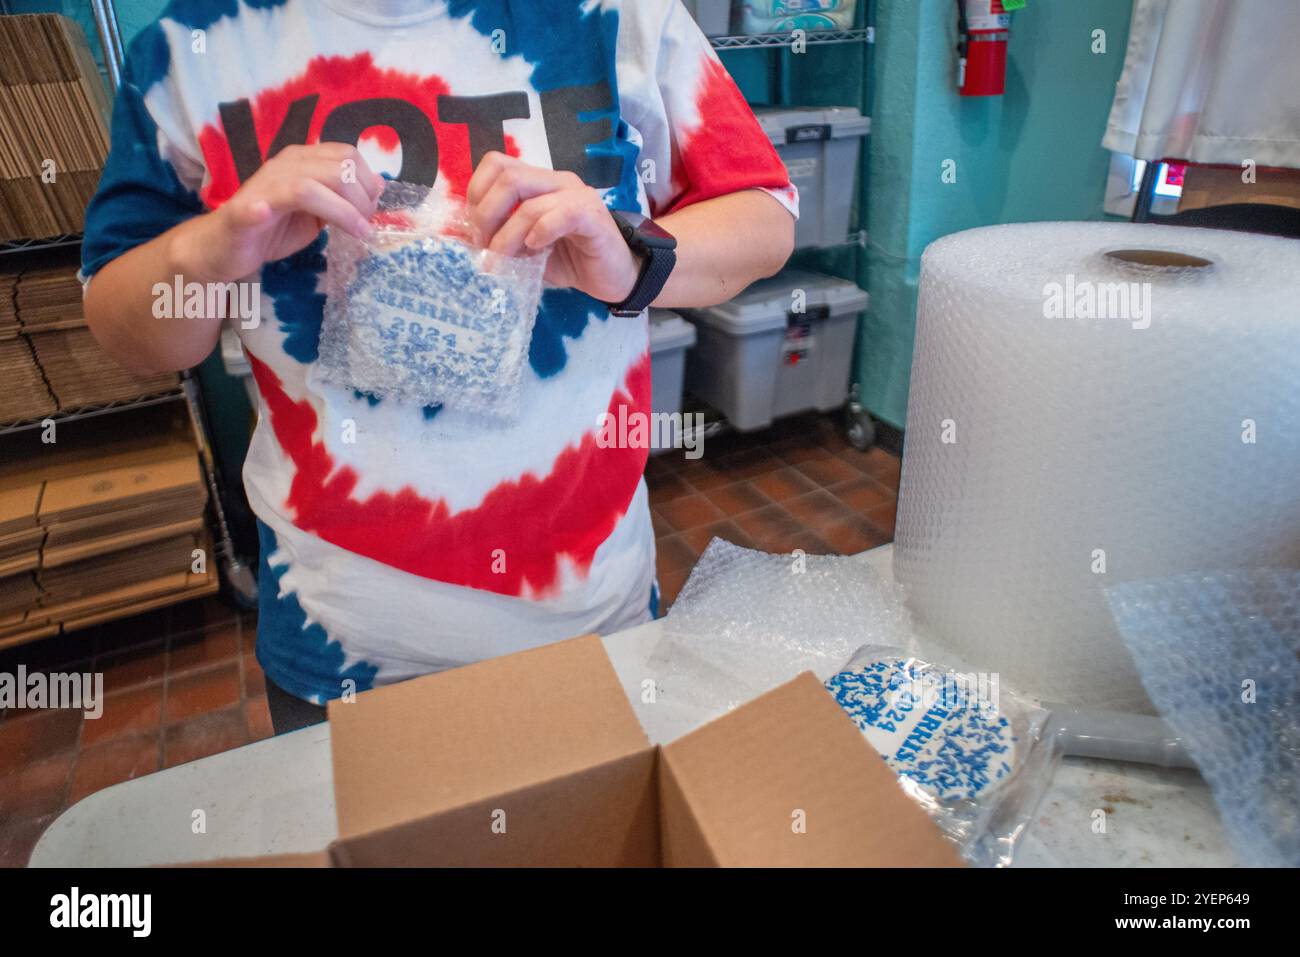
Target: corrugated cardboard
[(537, 759), (107, 524), (42, 628), (132, 599), (19, 498), (787, 779), (74, 497), (529, 759), (53, 105), (53, 556), (20, 562)]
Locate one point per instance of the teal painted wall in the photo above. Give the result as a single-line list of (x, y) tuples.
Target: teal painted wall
[(132, 15), (1032, 154)]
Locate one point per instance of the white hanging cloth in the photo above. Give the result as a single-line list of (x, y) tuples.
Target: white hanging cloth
[(1210, 81)]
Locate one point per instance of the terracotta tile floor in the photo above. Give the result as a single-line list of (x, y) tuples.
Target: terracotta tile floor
[(182, 683), (179, 684), (796, 485)]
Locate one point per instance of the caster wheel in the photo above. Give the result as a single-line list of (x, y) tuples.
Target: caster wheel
[(241, 584), (861, 430)]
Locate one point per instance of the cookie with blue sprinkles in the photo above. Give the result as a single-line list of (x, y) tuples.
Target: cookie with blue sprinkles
[(422, 321), (936, 730)]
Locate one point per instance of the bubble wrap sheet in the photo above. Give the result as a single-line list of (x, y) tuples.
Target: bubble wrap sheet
[(420, 314), (1206, 645), (1050, 455), (747, 621)]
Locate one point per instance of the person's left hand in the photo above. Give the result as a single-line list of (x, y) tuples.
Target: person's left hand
[(520, 209)]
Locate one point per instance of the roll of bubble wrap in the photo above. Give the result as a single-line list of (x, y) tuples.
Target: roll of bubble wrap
[(1059, 444)]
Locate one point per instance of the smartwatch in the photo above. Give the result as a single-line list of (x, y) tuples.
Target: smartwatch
[(658, 249)]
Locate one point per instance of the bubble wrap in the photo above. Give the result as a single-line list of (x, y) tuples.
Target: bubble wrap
[(1196, 639), (419, 313), (1088, 440), (747, 621)]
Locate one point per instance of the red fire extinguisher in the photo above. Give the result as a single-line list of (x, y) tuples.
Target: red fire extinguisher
[(983, 26)]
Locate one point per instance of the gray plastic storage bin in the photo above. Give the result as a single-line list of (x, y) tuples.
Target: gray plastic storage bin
[(820, 148), (758, 360), (713, 16), (670, 337)]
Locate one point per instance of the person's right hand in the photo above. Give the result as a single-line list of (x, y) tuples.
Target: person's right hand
[(280, 210)]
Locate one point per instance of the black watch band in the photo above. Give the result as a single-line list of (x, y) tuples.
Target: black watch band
[(655, 270), (658, 251)]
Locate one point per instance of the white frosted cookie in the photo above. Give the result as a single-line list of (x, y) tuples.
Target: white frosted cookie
[(933, 728)]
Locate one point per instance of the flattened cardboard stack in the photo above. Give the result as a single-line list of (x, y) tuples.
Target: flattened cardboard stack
[(92, 532), (80, 373), (20, 532), (20, 555), (53, 126), (537, 759), (52, 360), (24, 394), (8, 306), (48, 299)]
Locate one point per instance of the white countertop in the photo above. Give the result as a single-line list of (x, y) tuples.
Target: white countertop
[(277, 796)]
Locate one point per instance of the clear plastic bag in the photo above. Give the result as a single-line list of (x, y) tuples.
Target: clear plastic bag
[(421, 313), (977, 758)]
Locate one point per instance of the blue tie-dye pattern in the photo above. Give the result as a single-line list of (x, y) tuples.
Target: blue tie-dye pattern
[(625, 194), (564, 313), (201, 14), (654, 600), (288, 648), (559, 40), (148, 58), (293, 286), (429, 412)]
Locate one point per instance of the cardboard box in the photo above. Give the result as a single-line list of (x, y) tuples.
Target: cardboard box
[(98, 526), (538, 759)]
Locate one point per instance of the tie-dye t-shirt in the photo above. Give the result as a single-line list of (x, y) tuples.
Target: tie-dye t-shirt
[(431, 538)]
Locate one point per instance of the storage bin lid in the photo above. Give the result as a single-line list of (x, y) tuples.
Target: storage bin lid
[(786, 125), (765, 305), (669, 331)]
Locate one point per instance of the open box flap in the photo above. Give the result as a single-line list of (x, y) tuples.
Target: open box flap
[(787, 780), (427, 746), (602, 816)]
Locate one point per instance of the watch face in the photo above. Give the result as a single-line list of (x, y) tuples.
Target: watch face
[(644, 230)]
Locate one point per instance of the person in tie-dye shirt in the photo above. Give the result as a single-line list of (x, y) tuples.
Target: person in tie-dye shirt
[(435, 538)]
